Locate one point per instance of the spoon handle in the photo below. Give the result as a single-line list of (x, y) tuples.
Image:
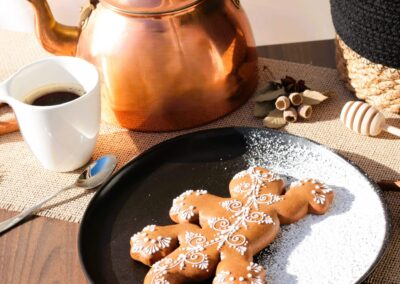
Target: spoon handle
[(5, 225)]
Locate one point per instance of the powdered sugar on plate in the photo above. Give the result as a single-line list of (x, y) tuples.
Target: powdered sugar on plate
[(338, 247)]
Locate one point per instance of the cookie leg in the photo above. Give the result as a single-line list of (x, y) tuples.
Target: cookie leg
[(155, 242), (236, 269), (184, 265)]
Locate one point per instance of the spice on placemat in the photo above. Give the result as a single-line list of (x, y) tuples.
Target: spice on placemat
[(8, 126), (387, 185), (285, 101)]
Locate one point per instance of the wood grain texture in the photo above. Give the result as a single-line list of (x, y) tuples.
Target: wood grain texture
[(41, 250), (318, 53)]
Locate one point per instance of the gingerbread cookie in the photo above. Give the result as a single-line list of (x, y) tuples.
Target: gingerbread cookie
[(219, 236)]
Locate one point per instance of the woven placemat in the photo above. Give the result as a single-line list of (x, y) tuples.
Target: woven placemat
[(23, 180)]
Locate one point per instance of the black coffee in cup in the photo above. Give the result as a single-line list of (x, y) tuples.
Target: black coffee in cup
[(54, 95)]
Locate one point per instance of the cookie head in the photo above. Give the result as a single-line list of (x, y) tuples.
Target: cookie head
[(256, 179)]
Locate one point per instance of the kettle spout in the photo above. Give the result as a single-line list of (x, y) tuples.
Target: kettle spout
[(54, 37)]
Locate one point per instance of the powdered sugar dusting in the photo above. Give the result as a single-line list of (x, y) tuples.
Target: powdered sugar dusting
[(338, 247)]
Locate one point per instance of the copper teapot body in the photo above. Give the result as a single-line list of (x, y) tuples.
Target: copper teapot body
[(172, 70)]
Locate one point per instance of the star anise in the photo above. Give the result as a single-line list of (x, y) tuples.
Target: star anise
[(291, 85)]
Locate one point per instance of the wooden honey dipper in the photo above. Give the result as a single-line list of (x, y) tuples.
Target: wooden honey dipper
[(364, 119)]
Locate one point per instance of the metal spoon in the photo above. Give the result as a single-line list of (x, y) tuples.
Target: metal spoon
[(94, 175)]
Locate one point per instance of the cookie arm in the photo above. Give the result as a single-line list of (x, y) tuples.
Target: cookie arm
[(307, 196), (155, 242), (187, 207)]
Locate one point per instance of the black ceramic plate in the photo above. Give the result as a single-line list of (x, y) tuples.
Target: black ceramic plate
[(141, 193)]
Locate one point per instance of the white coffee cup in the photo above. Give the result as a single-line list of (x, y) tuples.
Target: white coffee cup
[(63, 136)]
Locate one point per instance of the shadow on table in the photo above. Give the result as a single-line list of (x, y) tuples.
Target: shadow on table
[(388, 267), (362, 161), (128, 144), (394, 122), (73, 198), (32, 217)]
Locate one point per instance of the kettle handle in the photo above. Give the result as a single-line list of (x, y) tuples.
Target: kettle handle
[(236, 3)]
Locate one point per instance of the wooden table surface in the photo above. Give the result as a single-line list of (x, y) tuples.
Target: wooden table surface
[(44, 250)]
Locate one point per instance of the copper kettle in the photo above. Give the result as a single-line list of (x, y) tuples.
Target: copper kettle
[(165, 64)]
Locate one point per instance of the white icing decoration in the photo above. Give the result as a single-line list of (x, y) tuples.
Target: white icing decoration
[(219, 224), (178, 204), (201, 192), (150, 228), (138, 241), (268, 198), (142, 243), (254, 267), (227, 229), (226, 277), (195, 241), (296, 183), (163, 242), (192, 257), (325, 189), (242, 187), (150, 248), (232, 205), (319, 192), (175, 209), (259, 218), (187, 213), (318, 198), (318, 185), (221, 276)]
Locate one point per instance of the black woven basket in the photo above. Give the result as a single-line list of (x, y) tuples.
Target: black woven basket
[(368, 49), (370, 27)]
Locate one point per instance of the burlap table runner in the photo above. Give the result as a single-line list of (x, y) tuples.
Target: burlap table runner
[(23, 180)]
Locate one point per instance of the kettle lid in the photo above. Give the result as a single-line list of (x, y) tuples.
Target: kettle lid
[(148, 7)]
